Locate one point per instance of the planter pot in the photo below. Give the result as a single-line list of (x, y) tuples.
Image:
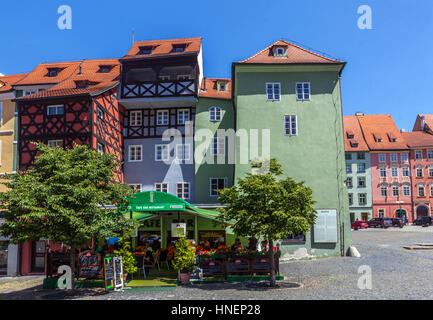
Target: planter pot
[(185, 277)]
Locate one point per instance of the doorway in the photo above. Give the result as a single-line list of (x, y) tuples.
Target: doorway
[(3, 257), (400, 213), (422, 211), (38, 256)]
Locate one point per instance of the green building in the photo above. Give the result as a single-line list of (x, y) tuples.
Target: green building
[(287, 103), (358, 171)]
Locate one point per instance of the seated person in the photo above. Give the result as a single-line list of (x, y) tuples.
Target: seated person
[(252, 244), (207, 245), (147, 259), (264, 245), (237, 246)]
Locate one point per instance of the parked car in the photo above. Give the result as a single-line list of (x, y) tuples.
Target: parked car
[(423, 221), (359, 225), (380, 222), (397, 222)]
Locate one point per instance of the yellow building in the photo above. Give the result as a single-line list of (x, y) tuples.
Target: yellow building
[(7, 125)]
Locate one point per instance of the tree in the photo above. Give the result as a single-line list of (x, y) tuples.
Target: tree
[(263, 206), (63, 198)]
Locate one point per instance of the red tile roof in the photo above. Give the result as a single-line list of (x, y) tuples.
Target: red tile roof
[(39, 75), (418, 139), (428, 119), (352, 127), (6, 82), (212, 90), (295, 54), (163, 48), (87, 71), (381, 126)]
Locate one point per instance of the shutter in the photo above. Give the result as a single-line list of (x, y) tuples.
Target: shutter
[(325, 229)]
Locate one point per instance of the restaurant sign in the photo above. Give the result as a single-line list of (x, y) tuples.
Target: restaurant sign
[(157, 207), (178, 230)]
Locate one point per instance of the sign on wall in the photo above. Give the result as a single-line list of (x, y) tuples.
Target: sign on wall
[(325, 229), (178, 230)]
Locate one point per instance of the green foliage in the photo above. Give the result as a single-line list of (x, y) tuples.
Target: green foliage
[(61, 198), (263, 206), (128, 261), (184, 259)]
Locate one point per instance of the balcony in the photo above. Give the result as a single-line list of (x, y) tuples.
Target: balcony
[(159, 89)]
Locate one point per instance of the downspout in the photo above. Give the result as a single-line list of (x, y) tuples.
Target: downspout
[(341, 214)]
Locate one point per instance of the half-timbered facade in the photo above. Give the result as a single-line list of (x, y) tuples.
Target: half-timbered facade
[(159, 88)]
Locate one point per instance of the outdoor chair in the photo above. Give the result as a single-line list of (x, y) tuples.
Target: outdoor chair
[(140, 266), (163, 258), (155, 263)]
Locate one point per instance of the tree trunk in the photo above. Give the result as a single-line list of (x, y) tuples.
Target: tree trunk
[(72, 255), (271, 257)]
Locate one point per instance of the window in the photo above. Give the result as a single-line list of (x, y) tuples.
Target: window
[(406, 190), (105, 69), (55, 143), (162, 117), (164, 78), (382, 157), (162, 187), (361, 182), (217, 184), (381, 213), (393, 157), (362, 198), (361, 167), (404, 157), (1, 113), (214, 114), (430, 154), (135, 118), (183, 77), (349, 183), (53, 72), (405, 172), (280, 52), (419, 172), (183, 190), (430, 171), (179, 48), (136, 187), (302, 91), (395, 191), (348, 168), (135, 153), (383, 190), (218, 146), (418, 155), (100, 148), (361, 156), (382, 171), (55, 110), (29, 92), (183, 152), (182, 116), (431, 190), (273, 91), (348, 156), (161, 152), (325, 229), (221, 86), (350, 199), (290, 125), (421, 190), (145, 50), (394, 172), (100, 113)]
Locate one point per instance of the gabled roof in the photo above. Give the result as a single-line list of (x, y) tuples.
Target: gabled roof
[(381, 126), (428, 121), (352, 128), (6, 82), (295, 54), (418, 139), (212, 90), (161, 48), (88, 71), (39, 75)]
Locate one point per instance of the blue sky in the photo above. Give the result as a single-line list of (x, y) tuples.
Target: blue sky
[(390, 68)]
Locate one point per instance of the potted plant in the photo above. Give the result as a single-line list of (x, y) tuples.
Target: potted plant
[(128, 261), (184, 260)]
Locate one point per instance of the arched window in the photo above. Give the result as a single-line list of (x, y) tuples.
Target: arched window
[(215, 114)]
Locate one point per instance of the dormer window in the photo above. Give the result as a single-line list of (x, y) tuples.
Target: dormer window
[(280, 52), (350, 135), (145, 50), (354, 144), (392, 138), (81, 84), (53, 72), (222, 86), (105, 69), (179, 48), (377, 137)]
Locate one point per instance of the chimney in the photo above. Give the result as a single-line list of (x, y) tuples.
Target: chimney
[(359, 114), (204, 83), (402, 130), (422, 123), (79, 72)]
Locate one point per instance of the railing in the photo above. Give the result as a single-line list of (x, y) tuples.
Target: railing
[(159, 89)]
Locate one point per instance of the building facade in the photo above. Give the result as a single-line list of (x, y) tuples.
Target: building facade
[(358, 170)]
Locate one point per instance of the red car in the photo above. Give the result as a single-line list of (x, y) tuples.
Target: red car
[(359, 225)]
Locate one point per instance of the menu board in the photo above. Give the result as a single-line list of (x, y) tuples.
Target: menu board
[(238, 265), (118, 273), (89, 267), (108, 271)]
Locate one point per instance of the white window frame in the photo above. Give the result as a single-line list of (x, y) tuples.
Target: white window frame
[(406, 157), (394, 170), (134, 185), (363, 166), (418, 152), (382, 169), (349, 185), (382, 155), (29, 92), (163, 113), (430, 171), (288, 120), (130, 153), (365, 199), (406, 187), (98, 144), (185, 150), (161, 186), (216, 112), (364, 179), (135, 118), (405, 170), (183, 112), (416, 172), (395, 190), (303, 85), (182, 196), (273, 86), (430, 153), (56, 107), (100, 113), (164, 147), (55, 143), (383, 190), (210, 185), (418, 189), (220, 143), (179, 76), (393, 157)]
